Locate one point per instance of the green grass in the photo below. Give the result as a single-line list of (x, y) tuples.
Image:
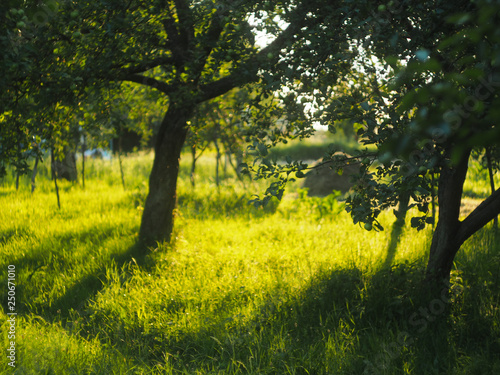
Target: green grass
[(295, 288)]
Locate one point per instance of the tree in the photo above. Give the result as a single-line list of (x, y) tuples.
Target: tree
[(403, 79), (455, 110), (37, 97), (14, 140), (424, 92), (189, 51)]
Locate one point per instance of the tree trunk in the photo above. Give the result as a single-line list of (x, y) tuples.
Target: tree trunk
[(33, 174), (122, 175), (157, 218), (450, 232), (217, 162), (193, 165), (445, 241), (54, 177), (84, 146), (433, 199)]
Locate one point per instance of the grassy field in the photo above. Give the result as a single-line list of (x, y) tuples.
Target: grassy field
[(295, 288)]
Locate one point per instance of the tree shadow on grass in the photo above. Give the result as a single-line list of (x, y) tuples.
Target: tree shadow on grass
[(87, 287), (336, 322), (44, 260), (342, 322), (397, 230)]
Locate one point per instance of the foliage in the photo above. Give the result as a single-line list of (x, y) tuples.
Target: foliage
[(433, 104), (190, 52), (219, 122), (422, 90)]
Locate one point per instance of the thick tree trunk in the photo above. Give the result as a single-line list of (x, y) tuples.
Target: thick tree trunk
[(157, 218), (445, 242), (450, 232)]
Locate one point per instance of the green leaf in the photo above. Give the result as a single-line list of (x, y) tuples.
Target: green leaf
[(262, 148)]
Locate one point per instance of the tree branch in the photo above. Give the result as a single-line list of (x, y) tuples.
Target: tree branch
[(186, 29), (148, 81), (248, 70), (210, 38), (176, 38), (145, 66), (482, 214)]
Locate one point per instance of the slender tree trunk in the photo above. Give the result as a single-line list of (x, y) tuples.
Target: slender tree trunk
[(492, 180), (54, 177), (226, 162), (84, 146), (433, 199), (33, 175), (193, 165), (18, 175), (120, 162), (217, 162), (158, 216)]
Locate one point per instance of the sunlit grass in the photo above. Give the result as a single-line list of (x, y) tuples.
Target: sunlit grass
[(294, 288)]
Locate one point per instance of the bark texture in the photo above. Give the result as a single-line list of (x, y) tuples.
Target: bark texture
[(158, 215), (445, 243), (450, 232)]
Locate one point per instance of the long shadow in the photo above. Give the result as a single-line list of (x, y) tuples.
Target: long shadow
[(12, 233), (386, 320), (232, 345), (76, 296), (285, 328), (396, 231), (343, 306), (38, 255)]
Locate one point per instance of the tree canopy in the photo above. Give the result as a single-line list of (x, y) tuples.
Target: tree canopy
[(424, 91)]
